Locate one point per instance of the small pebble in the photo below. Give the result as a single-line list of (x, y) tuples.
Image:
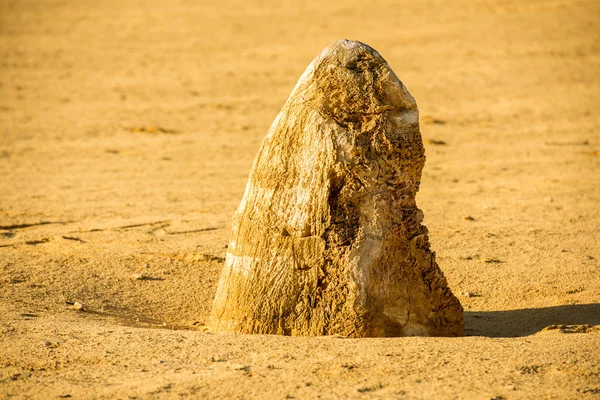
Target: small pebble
[(218, 358), (138, 277), (469, 218), (79, 306)]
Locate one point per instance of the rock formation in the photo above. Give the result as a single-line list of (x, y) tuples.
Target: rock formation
[(328, 238)]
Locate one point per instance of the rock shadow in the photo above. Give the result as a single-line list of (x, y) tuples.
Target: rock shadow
[(527, 321), (128, 318)]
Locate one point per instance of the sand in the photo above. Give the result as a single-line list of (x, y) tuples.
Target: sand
[(127, 131)]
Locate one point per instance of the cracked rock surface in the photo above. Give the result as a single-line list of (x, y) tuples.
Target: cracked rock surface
[(328, 237)]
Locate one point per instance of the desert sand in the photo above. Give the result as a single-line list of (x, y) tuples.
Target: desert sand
[(127, 131)]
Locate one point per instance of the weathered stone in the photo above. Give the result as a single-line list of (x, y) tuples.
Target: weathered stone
[(328, 237)]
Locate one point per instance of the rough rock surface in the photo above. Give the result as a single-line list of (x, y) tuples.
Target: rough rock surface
[(328, 238)]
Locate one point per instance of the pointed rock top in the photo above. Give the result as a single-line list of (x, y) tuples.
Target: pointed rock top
[(350, 82), (349, 51)]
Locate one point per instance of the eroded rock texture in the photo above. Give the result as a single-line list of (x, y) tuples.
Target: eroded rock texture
[(328, 237)]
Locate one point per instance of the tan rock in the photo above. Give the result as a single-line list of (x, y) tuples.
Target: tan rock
[(328, 237)]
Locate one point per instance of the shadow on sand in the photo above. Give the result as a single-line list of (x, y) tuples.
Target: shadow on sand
[(527, 321)]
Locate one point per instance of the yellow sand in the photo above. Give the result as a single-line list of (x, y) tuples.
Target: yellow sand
[(127, 130)]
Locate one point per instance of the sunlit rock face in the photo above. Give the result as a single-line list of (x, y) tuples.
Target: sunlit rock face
[(328, 238)]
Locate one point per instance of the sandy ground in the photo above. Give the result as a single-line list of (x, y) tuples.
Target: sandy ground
[(127, 130)]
